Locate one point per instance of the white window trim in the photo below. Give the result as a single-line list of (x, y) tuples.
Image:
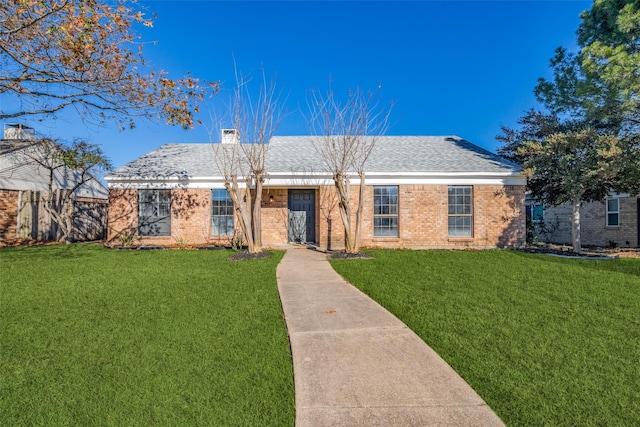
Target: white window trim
[(607, 212), (232, 231), (396, 215), (533, 205), (471, 215)]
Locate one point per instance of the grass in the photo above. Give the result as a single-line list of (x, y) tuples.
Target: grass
[(544, 340), (90, 336)]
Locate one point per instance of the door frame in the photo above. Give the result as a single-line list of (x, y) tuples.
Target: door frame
[(311, 222)]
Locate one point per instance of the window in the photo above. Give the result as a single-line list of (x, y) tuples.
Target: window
[(534, 211), (221, 213), (460, 211), (385, 211), (613, 212), (154, 212)]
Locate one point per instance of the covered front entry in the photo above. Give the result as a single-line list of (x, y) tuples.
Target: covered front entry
[(302, 216)]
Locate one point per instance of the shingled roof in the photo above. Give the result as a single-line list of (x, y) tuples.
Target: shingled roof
[(287, 154)]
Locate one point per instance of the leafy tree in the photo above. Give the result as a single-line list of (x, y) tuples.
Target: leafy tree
[(534, 127), (68, 168), (610, 36), (601, 83), (587, 143), (575, 166), (84, 54), (347, 133)]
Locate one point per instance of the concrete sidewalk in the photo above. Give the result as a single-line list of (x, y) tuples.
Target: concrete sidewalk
[(355, 364)]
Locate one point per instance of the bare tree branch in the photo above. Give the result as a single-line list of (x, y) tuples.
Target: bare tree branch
[(243, 162), (346, 135)]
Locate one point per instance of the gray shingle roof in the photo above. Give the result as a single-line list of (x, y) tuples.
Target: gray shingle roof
[(392, 154), (8, 145)]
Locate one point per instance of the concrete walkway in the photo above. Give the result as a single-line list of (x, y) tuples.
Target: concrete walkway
[(355, 364)]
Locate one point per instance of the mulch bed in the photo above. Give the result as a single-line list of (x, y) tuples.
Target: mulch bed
[(588, 252), (560, 252)]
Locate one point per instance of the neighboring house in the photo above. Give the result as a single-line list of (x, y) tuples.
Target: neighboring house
[(613, 223), (24, 187), (421, 192)]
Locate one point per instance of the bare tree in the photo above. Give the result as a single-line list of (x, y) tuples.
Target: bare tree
[(346, 135), (241, 154), (68, 168)]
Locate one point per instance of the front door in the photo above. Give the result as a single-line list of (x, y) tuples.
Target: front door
[(638, 218), (302, 216)]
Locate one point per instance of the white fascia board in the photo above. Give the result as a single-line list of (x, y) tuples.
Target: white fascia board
[(446, 181), (399, 178), (300, 182), (294, 175), (317, 179), (273, 183), (446, 178), (173, 182)]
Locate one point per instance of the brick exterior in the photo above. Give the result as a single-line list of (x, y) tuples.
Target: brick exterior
[(556, 227), (8, 216), (275, 216), (498, 218), (190, 219), (123, 214)]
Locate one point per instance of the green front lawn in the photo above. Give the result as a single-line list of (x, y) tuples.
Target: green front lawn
[(90, 336), (544, 340)]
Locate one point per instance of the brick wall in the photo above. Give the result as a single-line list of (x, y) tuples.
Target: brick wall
[(191, 216), (275, 216), (122, 214), (556, 227), (499, 218), (8, 216), (190, 219)]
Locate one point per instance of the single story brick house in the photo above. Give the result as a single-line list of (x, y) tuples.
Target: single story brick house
[(24, 188), (612, 223), (421, 192)]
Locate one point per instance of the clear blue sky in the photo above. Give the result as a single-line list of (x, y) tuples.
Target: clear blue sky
[(453, 68)]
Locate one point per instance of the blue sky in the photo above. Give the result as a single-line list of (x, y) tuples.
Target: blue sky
[(452, 68)]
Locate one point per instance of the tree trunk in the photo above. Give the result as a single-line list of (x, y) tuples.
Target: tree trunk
[(248, 217), (575, 226), (359, 214), (257, 216), (343, 185), (59, 206), (241, 212)]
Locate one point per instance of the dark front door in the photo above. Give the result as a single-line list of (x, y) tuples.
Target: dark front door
[(638, 216), (302, 216)]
